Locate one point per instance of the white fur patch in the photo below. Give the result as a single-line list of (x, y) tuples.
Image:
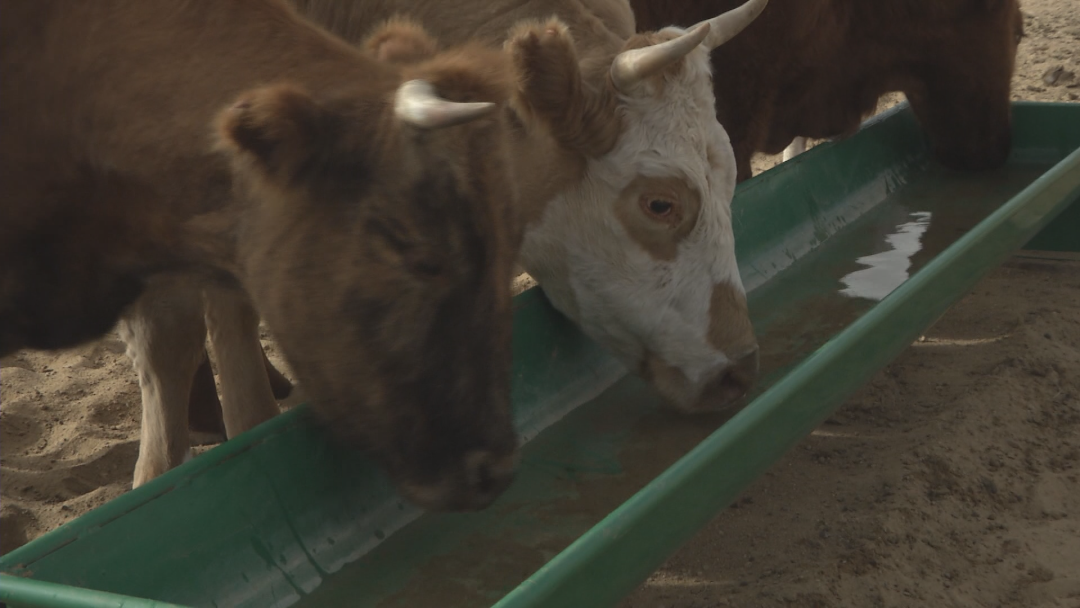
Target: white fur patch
[(593, 270)]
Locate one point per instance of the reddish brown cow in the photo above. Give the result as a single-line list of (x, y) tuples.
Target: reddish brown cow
[(815, 68), (631, 219), (373, 228)]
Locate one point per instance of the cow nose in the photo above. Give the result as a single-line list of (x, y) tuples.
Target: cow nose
[(470, 483), (487, 475), (731, 384)]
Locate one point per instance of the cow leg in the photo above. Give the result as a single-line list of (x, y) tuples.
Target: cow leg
[(204, 409), (795, 148), (246, 397), (279, 384), (166, 337), (205, 419)]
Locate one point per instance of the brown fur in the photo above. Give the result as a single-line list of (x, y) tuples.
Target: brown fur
[(729, 328), (562, 50), (582, 115), (600, 25), (402, 42), (61, 282), (564, 106), (815, 68), (553, 136), (378, 253)]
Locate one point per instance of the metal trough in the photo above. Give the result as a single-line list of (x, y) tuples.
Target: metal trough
[(850, 251)]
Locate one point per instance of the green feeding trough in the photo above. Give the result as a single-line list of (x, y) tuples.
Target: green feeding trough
[(849, 252)]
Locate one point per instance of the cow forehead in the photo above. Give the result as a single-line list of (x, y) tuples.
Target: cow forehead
[(673, 134), (671, 130)]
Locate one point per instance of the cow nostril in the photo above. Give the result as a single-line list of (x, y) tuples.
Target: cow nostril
[(734, 385), (731, 385), (488, 474), (744, 372)]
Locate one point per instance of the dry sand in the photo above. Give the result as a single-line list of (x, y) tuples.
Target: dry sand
[(953, 477), (949, 480)]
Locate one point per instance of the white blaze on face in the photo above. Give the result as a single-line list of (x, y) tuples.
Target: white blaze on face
[(637, 251)]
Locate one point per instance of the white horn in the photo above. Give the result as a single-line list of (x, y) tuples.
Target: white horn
[(417, 104), (631, 67), (726, 25)]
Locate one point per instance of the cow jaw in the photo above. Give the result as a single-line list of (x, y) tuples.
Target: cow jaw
[(641, 254)]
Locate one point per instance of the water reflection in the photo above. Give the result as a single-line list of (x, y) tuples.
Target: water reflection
[(888, 269)]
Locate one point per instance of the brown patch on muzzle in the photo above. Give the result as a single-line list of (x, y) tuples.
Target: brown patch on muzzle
[(731, 333), (730, 385), (730, 330), (723, 390)]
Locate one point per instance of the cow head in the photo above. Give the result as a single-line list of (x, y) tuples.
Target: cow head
[(961, 96), (378, 242), (639, 251)]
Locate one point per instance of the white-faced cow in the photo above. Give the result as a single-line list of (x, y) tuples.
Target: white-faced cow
[(635, 244), (628, 194), (367, 208), (815, 68)]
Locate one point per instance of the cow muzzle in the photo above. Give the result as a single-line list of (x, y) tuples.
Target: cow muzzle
[(720, 391), (477, 480), (730, 385)]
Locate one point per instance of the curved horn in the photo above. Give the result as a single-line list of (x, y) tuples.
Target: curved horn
[(726, 25), (417, 104), (630, 67)]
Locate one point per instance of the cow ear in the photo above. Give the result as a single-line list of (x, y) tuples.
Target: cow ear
[(276, 128), (400, 41), (551, 88)]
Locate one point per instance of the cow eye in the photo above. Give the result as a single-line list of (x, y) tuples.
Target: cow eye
[(428, 268), (660, 208)]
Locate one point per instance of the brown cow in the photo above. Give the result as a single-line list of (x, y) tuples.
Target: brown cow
[(815, 68), (628, 191), (629, 230), (338, 193)]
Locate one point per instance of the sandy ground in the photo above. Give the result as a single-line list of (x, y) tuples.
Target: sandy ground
[(953, 477), (949, 480)]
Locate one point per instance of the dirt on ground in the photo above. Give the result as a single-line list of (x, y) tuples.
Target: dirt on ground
[(951, 479)]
